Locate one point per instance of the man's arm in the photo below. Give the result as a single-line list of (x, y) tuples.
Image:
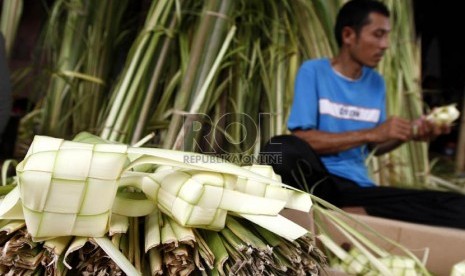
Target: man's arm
[(382, 148), (327, 143), (386, 136)]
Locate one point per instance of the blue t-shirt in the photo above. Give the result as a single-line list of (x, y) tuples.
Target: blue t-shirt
[(327, 101)]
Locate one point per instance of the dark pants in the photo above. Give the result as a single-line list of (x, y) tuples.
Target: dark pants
[(301, 167)]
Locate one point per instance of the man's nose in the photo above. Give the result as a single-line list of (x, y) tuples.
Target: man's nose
[(384, 43)]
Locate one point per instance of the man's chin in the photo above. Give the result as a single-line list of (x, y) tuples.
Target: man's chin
[(372, 64)]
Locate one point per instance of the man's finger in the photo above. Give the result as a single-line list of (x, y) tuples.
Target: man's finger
[(437, 130)]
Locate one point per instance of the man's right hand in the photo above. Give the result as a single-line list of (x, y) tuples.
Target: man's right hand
[(394, 128)]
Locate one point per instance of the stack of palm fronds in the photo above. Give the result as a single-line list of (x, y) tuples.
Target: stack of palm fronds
[(206, 76)]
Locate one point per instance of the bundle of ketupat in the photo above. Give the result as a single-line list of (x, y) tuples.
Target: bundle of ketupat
[(92, 189), (359, 254), (355, 262)]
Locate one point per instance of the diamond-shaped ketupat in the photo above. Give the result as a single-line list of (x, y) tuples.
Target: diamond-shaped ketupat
[(68, 188)]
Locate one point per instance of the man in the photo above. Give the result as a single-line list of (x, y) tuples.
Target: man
[(339, 110)]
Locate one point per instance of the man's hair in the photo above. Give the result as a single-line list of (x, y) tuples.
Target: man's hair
[(355, 14)]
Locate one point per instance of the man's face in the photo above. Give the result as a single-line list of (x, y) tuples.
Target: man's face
[(368, 47)]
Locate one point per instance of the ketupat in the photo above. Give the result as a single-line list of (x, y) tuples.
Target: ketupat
[(441, 116), (444, 115), (69, 188), (95, 184)]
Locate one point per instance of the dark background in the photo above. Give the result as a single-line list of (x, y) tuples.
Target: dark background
[(439, 24)]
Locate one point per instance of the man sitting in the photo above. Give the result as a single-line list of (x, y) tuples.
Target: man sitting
[(339, 113)]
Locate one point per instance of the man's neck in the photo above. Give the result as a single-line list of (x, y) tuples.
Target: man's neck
[(347, 67)]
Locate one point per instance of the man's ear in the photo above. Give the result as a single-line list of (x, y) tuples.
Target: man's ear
[(348, 36)]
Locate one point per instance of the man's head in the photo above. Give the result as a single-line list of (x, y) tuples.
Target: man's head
[(362, 27)]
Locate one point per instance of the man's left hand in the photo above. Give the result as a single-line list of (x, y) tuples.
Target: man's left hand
[(425, 130)]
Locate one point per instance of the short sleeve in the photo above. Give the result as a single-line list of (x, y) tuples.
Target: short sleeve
[(304, 110)]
